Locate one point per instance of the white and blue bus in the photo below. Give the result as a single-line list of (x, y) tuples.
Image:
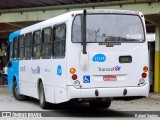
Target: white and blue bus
[(91, 56)]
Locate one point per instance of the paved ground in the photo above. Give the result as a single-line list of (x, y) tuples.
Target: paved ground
[(81, 111)]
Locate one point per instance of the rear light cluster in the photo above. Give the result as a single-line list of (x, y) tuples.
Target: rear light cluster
[(74, 76), (73, 71), (144, 75)]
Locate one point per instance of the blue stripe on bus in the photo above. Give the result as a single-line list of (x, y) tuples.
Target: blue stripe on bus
[(14, 34), (13, 71)]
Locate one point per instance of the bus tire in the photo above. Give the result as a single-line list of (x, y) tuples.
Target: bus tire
[(16, 94), (42, 100), (100, 104)]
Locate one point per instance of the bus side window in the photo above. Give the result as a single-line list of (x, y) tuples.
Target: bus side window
[(28, 46), (21, 47), (46, 46), (15, 48), (37, 42), (59, 38), (11, 51)]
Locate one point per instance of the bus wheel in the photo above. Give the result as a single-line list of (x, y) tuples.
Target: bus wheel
[(100, 104), (42, 101), (16, 94)]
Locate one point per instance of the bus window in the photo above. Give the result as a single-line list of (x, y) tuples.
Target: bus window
[(76, 31), (37, 44), (15, 48), (59, 38), (46, 46), (117, 28), (11, 51), (28, 46), (21, 47)]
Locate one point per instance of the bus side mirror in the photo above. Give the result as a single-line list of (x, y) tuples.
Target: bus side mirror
[(10, 63)]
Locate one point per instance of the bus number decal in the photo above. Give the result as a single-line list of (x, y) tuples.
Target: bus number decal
[(99, 58)]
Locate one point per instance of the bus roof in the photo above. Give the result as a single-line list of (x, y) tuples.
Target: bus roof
[(64, 17)]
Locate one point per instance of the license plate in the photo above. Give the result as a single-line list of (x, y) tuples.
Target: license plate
[(109, 78)]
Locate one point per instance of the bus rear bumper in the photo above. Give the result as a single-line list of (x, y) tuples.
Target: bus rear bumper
[(108, 92)]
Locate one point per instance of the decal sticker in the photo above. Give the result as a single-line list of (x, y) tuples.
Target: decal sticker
[(59, 70), (36, 70), (86, 79), (22, 69), (47, 70), (116, 68), (99, 58)]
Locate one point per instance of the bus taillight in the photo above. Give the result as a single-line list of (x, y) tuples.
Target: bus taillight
[(72, 70), (144, 75), (74, 76), (145, 69)]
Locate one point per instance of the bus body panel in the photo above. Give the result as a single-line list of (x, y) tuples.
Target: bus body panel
[(30, 75), (52, 76), (52, 72), (127, 75), (110, 73), (107, 92), (59, 79)]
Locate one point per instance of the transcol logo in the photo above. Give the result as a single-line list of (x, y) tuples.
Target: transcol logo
[(117, 68), (99, 58), (35, 70)]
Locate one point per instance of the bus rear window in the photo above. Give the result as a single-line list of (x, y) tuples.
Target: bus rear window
[(109, 28)]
